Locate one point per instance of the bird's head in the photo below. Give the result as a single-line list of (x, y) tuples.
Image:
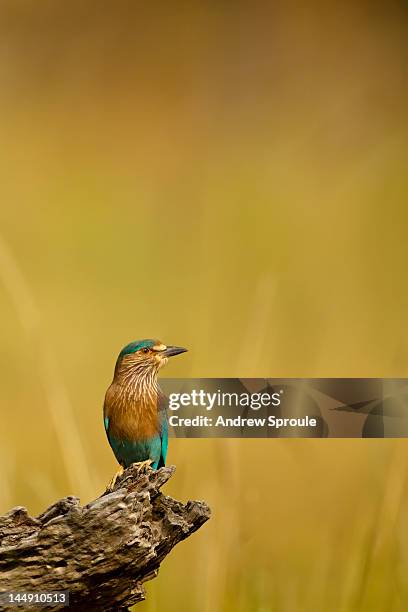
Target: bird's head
[(145, 355)]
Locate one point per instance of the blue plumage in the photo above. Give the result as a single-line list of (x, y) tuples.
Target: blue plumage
[(138, 450)]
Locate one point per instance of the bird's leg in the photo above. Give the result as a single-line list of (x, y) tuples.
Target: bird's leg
[(142, 465), (114, 478)]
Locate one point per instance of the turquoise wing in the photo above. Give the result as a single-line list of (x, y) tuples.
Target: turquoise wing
[(164, 438), (135, 451)]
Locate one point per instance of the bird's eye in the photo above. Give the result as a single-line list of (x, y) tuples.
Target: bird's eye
[(145, 350)]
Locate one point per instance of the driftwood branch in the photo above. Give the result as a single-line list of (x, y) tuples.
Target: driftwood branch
[(103, 552)]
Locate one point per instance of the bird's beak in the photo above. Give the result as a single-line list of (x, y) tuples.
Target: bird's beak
[(173, 350)]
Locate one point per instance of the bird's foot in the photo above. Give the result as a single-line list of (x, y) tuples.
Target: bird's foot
[(142, 465), (113, 480)]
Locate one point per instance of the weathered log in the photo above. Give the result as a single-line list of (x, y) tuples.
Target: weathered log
[(103, 552)]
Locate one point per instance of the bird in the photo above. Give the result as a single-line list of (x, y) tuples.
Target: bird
[(134, 411)]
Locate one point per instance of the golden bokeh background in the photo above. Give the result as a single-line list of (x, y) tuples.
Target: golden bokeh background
[(230, 177)]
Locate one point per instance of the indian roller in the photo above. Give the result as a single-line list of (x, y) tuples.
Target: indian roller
[(134, 411)]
